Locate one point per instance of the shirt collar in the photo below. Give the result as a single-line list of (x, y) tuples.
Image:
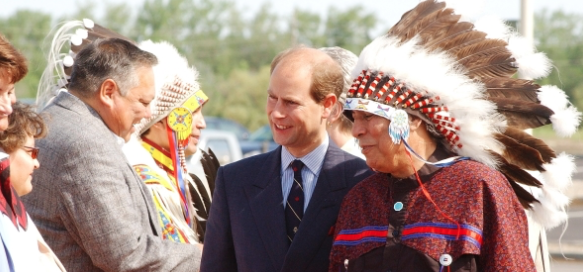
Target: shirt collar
[(312, 160)]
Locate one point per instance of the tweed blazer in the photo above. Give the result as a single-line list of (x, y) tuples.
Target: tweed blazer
[(88, 203), (246, 225)]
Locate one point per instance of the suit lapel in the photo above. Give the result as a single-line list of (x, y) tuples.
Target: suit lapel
[(266, 203), (320, 214)]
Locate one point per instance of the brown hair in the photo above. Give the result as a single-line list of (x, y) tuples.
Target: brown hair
[(23, 122), (327, 75), (12, 63)]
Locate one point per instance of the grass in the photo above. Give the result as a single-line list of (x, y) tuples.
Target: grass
[(547, 133), (572, 145)]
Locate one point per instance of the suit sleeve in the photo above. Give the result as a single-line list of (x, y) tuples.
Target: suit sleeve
[(104, 210), (219, 250)]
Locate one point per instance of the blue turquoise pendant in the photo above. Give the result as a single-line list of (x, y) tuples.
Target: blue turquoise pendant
[(398, 206)]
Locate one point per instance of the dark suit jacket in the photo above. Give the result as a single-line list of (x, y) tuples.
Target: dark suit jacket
[(246, 226)]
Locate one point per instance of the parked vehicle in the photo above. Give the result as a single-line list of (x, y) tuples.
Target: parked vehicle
[(224, 144), (260, 141), (218, 123)]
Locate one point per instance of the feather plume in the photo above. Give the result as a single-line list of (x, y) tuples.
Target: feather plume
[(559, 172), (566, 118), (520, 154), (498, 64), (516, 173), (437, 27), (525, 197), (511, 88), (452, 32), (531, 65), (462, 40), (546, 215), (565, 122), (480, 49), (104, 32), (407, 27), (494, 27), (521, 114), (546, 153)]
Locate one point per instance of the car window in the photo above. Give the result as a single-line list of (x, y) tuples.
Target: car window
[(262, 134), (221, 149), (223, 124)]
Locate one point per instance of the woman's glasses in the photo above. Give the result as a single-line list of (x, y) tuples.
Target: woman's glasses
[(33, 151)]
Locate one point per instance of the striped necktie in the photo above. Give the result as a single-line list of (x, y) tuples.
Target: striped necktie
[(294, 209)]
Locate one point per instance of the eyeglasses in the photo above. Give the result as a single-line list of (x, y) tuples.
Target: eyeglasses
[(33, 151)]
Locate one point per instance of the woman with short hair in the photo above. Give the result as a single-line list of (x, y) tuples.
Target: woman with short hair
[(21, 246)]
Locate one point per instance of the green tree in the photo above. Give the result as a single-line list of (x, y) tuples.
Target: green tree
[(241, 97), (349, 29), (560, 36), (26, 31), (307, 28)]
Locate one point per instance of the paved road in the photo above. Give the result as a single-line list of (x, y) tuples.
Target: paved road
[(579, 171), (571, 243), (566, 265)]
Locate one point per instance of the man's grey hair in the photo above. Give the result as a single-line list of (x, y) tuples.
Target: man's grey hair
[(347, 60), (112, 58)]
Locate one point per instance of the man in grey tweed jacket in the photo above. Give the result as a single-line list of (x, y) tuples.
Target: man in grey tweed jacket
[(88, 203)]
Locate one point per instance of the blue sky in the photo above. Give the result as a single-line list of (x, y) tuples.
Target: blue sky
[(389, 10)]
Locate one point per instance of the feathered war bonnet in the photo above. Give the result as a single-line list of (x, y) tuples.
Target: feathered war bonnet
[(459, 80), (178, 96)]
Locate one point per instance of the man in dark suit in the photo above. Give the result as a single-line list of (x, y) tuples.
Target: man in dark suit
[(271, 212)]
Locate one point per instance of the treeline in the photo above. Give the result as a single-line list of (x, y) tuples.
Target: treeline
[(233, 50)]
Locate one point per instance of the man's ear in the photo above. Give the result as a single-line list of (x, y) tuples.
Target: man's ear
[(336, 112), (414, 122), (107, 91), (329, 104)]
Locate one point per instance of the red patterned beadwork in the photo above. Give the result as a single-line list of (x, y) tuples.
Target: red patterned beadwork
[(355, 84), (393, 92), (433, 109), (373, 85), (403, 96), (413, 99), (386, 86), (362, 84)]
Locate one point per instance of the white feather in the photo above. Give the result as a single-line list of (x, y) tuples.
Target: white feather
[(171, 66), (467, 9), (558, 173), (566, 121), (534, 66), (494, 27), (552, 97), (48, 87), (566, 118), (547, 216), (530, 64)]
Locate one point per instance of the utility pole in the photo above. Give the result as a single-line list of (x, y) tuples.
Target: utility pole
[(537, 235), (527, 22)]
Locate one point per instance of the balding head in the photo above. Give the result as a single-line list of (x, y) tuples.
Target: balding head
[(324, 73)]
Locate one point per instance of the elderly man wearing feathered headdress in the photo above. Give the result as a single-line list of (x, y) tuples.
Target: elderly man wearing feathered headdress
[(438, 114)]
